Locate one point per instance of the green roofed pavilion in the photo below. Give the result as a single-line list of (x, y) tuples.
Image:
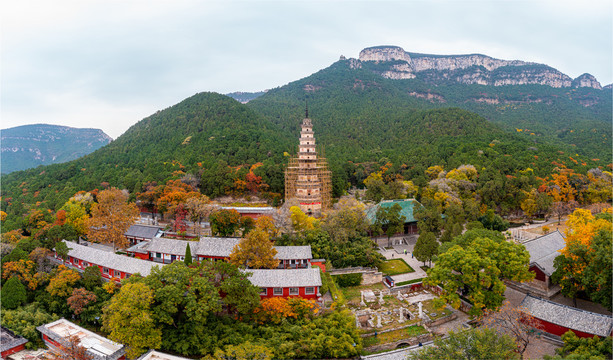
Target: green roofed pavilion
[(408, 207)]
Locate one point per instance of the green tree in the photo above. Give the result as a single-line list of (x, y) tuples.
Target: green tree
[(129, 319), (62, 249), (426, 247), (91, 278), (493, 221), (224, 222), (389, 220), (475, 264), (576, 348), (346, 221), (13, 293), (469, 344), (188, 255), (429, 217), (243, 351), (255, 251), (24, 320)]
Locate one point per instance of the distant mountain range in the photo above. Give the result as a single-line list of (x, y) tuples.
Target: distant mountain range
[(28, 146)]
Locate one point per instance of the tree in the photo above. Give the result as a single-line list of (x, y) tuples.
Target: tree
[(198, 209), (79, 299), (129, 320), (188, 255), (24, 320), (389, 218), (301, 221), (70, 349), (375, 187), (594, 348), (175, 193), (111, 217), (247, 224), (62, 249), (24, 270), (514, 322), (493, 221), (426, 247), (585, 262), (561, 208), (13, 294), (242, 351), (91, 278), (267, 224), (61, 281), (428, 216), (474, 265), (469, 344), (346, 221), (255, 251), (224, 222)]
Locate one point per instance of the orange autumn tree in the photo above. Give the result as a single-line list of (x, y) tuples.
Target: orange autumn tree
[(585, 263), (175, 193), (24, 270), (275, 309), (111, 217), (61, 281)]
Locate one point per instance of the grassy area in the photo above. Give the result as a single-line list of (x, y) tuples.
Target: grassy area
[(429, 305), (409, 282), (337, 294), (392, 336), (395, 267), (353, 292)]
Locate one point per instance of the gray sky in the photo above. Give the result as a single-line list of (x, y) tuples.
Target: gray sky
[(108, 64)]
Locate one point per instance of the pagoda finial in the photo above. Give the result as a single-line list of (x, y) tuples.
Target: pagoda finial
[(306, 106)]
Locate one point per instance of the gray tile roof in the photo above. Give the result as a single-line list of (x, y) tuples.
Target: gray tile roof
[(143, 231), (293, 252), (110, 260), (285, 277), (9, 340), (212, 246), (544, 249), (170, 246), (251, 210), (567, 316)]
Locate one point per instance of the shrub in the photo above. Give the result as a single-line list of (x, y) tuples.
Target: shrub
[(13, 293), (347, 280)]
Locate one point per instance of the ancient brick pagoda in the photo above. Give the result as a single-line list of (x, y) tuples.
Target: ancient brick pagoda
[(307, 177)]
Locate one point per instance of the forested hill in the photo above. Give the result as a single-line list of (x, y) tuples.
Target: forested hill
[(28, 146), (577, 119), (362, 120)]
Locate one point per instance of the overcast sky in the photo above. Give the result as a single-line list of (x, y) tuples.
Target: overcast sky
[(108, 64)]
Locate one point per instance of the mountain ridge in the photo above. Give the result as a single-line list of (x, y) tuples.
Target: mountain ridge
[(32, 145)]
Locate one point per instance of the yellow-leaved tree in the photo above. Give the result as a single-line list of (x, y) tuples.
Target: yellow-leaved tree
[(111, 217), (255, 251)]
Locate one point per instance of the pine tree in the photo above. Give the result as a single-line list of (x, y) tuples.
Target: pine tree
[(188, 255), (426, 247)]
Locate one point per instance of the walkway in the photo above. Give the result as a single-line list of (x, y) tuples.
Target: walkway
[(398, 253)]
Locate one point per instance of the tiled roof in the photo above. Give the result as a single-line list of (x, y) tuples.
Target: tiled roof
[(251, 210), (143, 231), (407, 205), (293, 252), (285, 277), (570, 317), (543, 250), (211, 246), (170, 246), (9, 340), (110, 260)]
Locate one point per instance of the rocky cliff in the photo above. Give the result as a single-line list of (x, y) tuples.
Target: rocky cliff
[(28, 146), (393, 62)]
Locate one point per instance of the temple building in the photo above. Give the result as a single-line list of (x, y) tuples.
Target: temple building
[(307, 177)]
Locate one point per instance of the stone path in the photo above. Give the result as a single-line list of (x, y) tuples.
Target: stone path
[(393, 254)]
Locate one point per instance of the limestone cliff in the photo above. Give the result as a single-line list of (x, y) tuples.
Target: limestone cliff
[(393, 62)]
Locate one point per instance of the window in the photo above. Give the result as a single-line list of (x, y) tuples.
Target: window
[(293, 291), (158, 255), (309, 290), (85, 264), (76, 261), (127, 276), (277, 291), (117, 273), (263, 291), (105, 271)]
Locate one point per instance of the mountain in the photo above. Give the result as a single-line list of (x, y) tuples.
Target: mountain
[(467, 69), (361, 120), (521, 97), (29, 146), (245, 97)]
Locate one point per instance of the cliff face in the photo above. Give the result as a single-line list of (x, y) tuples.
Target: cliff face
[(28, 146), (467, 69)]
